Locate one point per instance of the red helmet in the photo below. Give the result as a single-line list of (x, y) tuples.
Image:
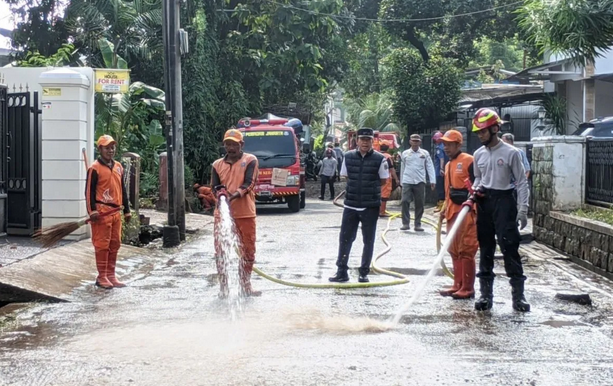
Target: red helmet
[(485, 118)]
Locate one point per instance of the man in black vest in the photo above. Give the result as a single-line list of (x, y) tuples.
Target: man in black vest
[(366, 170)]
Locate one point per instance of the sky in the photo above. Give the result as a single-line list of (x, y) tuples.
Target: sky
[(6, 21)]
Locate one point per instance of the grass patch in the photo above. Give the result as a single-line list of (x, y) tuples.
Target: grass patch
[(597, 214)]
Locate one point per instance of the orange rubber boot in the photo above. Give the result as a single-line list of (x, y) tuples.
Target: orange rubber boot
[(111, 271), (245, 269), (468, 280), (457, 278), (102, 262)]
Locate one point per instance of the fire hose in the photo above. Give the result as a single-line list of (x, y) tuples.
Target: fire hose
[(401, 279)]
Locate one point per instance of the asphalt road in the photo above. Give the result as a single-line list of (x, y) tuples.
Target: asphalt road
[(169, 327)]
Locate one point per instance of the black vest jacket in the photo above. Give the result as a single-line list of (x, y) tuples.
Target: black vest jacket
[(363, 181)]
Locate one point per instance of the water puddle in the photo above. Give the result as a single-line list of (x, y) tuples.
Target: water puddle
[(337, 324)]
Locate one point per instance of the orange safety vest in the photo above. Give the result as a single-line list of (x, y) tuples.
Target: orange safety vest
[(456, 173), (233, 177), (386, 189)]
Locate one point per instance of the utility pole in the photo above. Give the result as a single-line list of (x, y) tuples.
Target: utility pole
[(177, 109), (174, 232)]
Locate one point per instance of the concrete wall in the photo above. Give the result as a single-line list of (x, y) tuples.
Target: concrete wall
[(67, 128)]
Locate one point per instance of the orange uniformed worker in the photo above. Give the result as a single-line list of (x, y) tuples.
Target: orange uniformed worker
[(206, 196), (388, 187), (237, 172), (464, 246), (105, 191)]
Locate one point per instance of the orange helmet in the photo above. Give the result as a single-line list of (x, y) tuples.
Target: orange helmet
[(485, 118)]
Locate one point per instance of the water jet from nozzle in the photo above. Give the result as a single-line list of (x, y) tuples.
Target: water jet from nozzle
[(435, 265)]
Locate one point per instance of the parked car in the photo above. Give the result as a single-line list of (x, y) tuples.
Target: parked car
[(596, 128)]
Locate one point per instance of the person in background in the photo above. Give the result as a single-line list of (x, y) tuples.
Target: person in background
[(339, 157), (417, 167), (510, 139), (366, 171), (105, 191), (234, 176), (440, 160), (459, 174), (328, 173), (498, 211), (388, 187)]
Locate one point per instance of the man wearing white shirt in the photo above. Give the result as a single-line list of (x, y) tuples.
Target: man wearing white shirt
[(417, 167), (366, 170)]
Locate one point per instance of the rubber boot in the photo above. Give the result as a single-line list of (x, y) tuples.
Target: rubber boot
[(439, 206), (111, 270), (102, 262), (383, 209), (519, 301), (468, 280), (457, 279), (224, 291), (340, 277), (485, 302), (244, 272)]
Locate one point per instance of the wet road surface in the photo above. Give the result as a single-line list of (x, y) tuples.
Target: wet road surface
[(169, 328)]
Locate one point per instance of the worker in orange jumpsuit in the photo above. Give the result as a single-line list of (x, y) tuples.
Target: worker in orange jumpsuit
[(237, 172), (105, 191), (459, 173), (206, 196), (387, 188)]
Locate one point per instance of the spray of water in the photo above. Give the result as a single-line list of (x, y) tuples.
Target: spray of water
[(435, 265), (230, 260)]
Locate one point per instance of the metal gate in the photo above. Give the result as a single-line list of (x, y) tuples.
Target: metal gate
[(3, 160), (24, 164)]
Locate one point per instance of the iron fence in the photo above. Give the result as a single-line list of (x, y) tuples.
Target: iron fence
[(599, 172)]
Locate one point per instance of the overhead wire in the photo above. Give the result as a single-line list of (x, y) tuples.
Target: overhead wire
[(402, 20)]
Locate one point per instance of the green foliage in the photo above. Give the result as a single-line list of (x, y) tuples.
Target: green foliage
[(374, 111), (507, 54), (597, 214), (579, 29), (555, 112), (132, 27), (454, 36), (423, 94), (318, 146), (41, 28), (66, 55)]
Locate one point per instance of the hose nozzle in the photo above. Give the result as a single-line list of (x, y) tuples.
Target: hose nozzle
[(221, 191)]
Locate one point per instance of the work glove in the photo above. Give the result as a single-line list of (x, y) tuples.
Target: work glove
[(522, 217)]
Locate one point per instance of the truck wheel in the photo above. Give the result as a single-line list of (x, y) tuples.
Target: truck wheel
[(293, 202), (302, 200)]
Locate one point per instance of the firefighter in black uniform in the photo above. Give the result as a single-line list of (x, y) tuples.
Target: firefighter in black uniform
[(498, 212)]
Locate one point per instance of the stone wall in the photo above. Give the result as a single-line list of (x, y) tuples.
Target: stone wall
[(558, 186), (588, 243)]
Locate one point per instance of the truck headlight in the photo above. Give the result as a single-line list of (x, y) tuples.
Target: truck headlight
[(293, 180)]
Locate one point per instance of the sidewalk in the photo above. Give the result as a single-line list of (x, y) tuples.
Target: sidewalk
[(29, 272)]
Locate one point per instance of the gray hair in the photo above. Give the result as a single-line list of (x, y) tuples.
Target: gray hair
[(508, 136)]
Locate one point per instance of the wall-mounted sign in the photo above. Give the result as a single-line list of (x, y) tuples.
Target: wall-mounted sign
[(52, 91), (112, 81)]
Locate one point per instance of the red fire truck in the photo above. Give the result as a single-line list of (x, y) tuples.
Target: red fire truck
[(276, 145), (389, 137)]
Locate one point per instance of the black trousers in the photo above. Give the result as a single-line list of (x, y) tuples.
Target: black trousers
[(440, 187), (327, 180), (497, 219), (349, 229)]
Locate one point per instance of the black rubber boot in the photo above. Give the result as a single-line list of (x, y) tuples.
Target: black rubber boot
[(519, 301), (485, 302), (340, 277)]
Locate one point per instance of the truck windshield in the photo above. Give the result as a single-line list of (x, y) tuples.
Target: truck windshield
[(274, 148)]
